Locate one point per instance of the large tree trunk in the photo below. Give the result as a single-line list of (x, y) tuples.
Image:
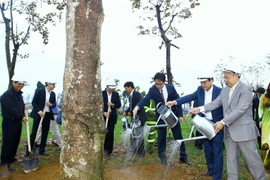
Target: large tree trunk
[(167, 43), (7, 43), (83, 126)]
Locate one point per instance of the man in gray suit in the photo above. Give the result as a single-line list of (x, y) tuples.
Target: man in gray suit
[(240, 130)]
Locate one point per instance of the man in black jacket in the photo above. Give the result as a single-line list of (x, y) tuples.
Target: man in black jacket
[(13, 115), (43, 102), (111, 102), (137, 144), (255, 111)]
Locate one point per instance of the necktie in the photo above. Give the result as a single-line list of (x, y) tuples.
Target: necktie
[(162, 95)]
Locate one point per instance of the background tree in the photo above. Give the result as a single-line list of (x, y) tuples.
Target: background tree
[(218, 71), (40, 85), (83, 125), (268, 57), (167, 14), (37, 22)]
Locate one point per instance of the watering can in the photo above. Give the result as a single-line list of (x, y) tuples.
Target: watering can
[(204, 126), (167, 115)]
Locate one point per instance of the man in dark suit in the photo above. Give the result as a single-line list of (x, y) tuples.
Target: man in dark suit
[(240, 131), (111, 102), (13, 115), (43, 102), (134, 98), (204, 94), (255, 110), (161, 92)]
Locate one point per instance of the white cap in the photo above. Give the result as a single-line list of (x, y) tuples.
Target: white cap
[(232, 68), (205, 76), (110, 83), (19, 79), (50, 81)]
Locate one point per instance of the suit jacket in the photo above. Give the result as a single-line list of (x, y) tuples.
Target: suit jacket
[(199, 96), (255, 108), (115, 100), (12, 105), (135, 99), (238, 112), (154, 94), (38, 102)]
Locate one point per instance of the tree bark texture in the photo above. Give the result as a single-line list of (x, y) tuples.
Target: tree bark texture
[(83, 127)]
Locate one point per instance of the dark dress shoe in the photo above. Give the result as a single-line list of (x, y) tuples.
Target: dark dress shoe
[(43, 153), (207, 174), (185, 161), (11, 169), (141, 154), (163, 161)]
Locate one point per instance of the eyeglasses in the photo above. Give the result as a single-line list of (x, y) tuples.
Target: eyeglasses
[(159, 84)]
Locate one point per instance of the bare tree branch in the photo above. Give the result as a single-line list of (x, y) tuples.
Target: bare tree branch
[(25, 36)]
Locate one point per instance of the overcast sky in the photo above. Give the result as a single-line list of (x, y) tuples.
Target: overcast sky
[(218, 29)]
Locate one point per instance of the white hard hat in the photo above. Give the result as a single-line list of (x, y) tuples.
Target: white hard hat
[(19, 79), (205, 75), (50, 81), (233, 68), (110, 83)]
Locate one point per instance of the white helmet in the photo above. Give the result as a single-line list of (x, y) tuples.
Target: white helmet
[(19, 79), (233, 68), (50, 81), (205, 76), (110, 83)]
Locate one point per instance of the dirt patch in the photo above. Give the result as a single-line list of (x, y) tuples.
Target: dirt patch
[(134, 171)]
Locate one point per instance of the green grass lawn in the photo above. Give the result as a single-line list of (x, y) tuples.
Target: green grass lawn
[(194, 155)]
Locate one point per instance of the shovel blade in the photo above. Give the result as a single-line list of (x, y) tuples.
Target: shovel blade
[(30, 165), (4, 171)]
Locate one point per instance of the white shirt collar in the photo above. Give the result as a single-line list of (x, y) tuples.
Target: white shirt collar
[(210, 90), (131, 92)]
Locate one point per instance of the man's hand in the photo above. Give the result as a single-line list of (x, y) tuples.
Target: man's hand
[(170, 103), (48, 104), (219, 126), (41, 114), (195, 110), (180, 119), (106, 114), (110, 104), (260, 124), (26, 107), (24, 120), (135, 110)]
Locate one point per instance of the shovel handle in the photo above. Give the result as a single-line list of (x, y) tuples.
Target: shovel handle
[(40, 124), (107, 118), (27, 130)]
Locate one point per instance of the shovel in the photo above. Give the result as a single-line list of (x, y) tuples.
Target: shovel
[(107, 118), (32, 163)]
